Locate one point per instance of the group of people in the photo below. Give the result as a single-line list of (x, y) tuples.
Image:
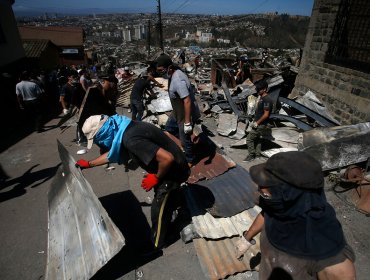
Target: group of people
[(300, 235), (168, 165)]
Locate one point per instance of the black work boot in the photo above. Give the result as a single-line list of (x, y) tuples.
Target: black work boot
[(249, 158)]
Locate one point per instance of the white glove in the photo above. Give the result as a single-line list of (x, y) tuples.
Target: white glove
[(65, 111), (242, 246), (254, 125), (188, 128)]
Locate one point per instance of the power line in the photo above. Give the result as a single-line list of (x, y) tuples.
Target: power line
[(182, 5)]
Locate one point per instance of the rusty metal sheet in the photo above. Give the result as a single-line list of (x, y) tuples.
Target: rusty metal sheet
[(81, 236), (361, 196), (232, 193), (210, 167), (217, 258)]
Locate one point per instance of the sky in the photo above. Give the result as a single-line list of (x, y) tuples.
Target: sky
[(221, 7)]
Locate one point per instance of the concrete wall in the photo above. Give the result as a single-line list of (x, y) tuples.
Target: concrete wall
[(11, 50), (345, 92)]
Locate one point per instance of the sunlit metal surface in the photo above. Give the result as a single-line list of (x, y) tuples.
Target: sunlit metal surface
[(322, 120), (310, 100), (81, 236), (206, 226), (341, 152), (227, 124), (325, 135), (217, 258)]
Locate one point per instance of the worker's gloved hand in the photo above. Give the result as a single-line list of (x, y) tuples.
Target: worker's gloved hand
[(188, 128), (65, 111), (83, 164), (254, 125), (149, 181), (242, 246)]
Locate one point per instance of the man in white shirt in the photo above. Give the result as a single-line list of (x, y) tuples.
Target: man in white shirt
[(29, 99)]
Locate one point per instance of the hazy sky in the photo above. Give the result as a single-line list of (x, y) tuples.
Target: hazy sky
[(294, 7)]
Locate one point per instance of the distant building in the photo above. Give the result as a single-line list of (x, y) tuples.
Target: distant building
[(223, 41), (205, 37), (141, 31), (68, 39), (126, 33)]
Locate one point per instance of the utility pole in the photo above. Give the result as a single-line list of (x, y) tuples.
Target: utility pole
[(148, 38), (160, 25)]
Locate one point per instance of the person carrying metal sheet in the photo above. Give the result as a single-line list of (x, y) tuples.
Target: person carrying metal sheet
[(153, 150), (301, 237)]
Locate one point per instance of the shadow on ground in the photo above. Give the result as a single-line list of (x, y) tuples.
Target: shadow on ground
[(30, 178), (125, 211)]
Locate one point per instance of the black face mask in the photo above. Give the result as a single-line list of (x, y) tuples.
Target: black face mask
[(271, 206)]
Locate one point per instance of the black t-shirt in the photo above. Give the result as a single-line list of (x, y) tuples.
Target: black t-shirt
[(143, 140), (138, 89), (265, 103)]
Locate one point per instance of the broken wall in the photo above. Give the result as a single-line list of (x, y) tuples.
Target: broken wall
[(344, 91)]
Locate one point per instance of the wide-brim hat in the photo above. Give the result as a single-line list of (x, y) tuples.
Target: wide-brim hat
[(296, 168), (91, 127)]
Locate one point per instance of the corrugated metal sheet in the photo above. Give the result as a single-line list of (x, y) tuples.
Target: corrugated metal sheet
[(208, 168), (218, 260), (206, 226), (81, 236), (233, 192), (124, 91), (34, 48), (230, 195)]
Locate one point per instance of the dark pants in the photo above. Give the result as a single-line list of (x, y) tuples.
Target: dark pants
[(254, 140), (177, 129), (137, 110), (34, 112), (167, 198)]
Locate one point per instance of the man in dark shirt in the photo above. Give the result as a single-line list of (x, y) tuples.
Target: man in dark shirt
[(259, 125), (153, 150), (67, 92), (136, 99)]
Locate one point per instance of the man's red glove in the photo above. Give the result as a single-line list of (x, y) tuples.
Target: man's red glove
[(149, 181), (83, 164)]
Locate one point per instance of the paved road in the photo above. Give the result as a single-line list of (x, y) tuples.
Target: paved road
[(31, 164)]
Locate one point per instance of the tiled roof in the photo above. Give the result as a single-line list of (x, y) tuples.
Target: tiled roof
[(59, 35), (34, 48)]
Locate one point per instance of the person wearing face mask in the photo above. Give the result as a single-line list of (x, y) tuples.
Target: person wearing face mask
[(301, 237), (122, 139), (185, 111), (67, 92)]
